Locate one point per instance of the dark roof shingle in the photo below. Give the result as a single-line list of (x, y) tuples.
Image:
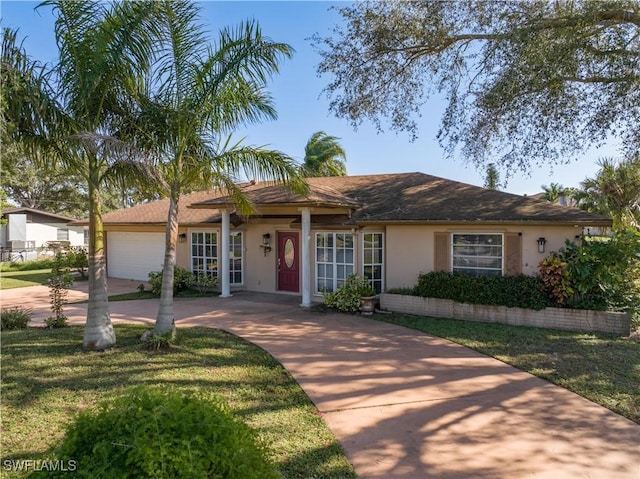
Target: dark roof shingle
[(401, 197)]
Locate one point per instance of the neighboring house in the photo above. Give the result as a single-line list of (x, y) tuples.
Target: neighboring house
[(389, 228), (29, 231)]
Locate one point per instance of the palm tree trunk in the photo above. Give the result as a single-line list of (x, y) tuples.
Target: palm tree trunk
[(165, 320), (98, 331)]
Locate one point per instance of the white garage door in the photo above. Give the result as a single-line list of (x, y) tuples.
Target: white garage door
[(132, 255)]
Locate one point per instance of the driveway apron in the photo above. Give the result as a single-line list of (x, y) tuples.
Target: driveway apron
[(406, 405)]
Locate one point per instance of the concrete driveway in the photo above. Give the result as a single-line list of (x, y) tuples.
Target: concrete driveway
[(408, 405)]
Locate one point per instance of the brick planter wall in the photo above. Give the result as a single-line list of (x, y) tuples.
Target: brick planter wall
[(553, 318)]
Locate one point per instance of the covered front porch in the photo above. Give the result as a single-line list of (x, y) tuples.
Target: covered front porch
[(278, 253)]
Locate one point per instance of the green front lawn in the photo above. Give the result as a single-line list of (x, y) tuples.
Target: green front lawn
[(46, 379), (602, 368), (20, 279)]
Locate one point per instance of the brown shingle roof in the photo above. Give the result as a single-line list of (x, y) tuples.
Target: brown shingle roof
[(155, 212), (403, 197), (263, 194)]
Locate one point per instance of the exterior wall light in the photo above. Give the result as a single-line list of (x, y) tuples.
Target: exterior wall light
[(541, 242), (266, 243), (182, 237)]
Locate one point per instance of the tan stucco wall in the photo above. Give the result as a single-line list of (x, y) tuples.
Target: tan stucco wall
[(410, 249)]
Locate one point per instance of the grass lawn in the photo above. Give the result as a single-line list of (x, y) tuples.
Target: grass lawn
[(46, 379), (602, 368), (20, 279)]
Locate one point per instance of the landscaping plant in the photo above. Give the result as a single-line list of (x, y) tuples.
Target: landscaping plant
[(14, 318), (182, 280), (165, 433), (555, 278), (59, 283), (513, 291), (601, 273), (203, 282), (347, 298), (78, 260)]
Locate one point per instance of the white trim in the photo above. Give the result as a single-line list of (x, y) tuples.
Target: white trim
[(305, 240), (382, 264), (218, 256), (334, 263), (225, 235)]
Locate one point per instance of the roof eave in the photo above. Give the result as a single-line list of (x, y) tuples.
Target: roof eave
[(313, 204), (582, 223)]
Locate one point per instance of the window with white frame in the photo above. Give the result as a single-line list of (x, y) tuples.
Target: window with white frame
[(204, 254), (373, 259), (477, 254), (334, 260), (235, 258)]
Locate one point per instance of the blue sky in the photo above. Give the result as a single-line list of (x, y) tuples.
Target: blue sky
[(302, 106)]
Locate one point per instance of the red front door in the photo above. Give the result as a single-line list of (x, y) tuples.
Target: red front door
[(288, 262)]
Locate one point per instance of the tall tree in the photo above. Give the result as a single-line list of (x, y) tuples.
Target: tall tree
[(614, 191), (552, 192), (28, 184), (198, 95), (492, 180), (526, 81), (73, 112), (323, 156)]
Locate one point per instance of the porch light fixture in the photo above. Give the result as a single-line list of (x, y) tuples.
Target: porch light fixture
[(266, 243), (182, 237), (541, 242)]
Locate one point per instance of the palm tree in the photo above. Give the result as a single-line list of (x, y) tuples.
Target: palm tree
[(552, 192), (198, 94), (614, 191), (323, 156), (74, 112)]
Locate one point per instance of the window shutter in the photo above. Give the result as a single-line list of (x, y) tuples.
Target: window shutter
[(513, 254), (441, 252)]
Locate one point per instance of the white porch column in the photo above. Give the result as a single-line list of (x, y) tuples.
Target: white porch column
[(224, 246), (306, 257)]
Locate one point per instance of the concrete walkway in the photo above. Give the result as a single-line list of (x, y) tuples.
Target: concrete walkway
[(408, 405)]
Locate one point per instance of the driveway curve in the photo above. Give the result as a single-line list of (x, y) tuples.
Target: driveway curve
[(406, 405)]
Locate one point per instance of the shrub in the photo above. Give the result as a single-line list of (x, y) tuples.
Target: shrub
[(182, 280), (554, 274), (347, 297), (78, 260), (202, 282), (157, 432), (512, 291), (28, 265), (604, 272), (156, 342), (14, 318)]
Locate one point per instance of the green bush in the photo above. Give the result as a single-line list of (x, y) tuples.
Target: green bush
[(203, 282), (28, 265), (157, 432), (14, 318), (604, 272), (513, 291), (347, 298), (182, 280), (156, 342), (78, 260)]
